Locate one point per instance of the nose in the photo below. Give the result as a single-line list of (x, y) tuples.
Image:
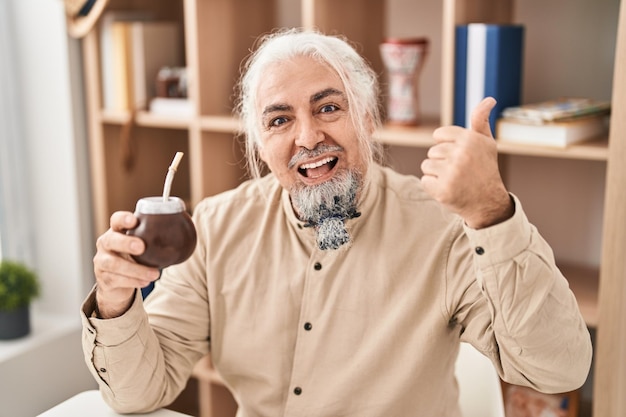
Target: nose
[(308, 133)]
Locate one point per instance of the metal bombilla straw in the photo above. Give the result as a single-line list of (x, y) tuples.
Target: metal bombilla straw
[(171, 171)]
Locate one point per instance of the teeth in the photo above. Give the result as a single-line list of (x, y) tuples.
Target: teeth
[(317, 164)]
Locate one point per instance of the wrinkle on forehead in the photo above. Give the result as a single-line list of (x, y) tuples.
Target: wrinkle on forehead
[(302, 70)]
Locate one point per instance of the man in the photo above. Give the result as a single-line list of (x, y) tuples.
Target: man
[(333, 286)]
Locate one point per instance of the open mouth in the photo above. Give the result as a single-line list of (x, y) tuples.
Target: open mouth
[(318, 168)]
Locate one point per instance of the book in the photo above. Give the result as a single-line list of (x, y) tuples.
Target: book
[(554, 134), (133, 52), (488, 62), (112, 54), (179, 107), (108, 53), (154, 45), (121, 67), (557, 110)]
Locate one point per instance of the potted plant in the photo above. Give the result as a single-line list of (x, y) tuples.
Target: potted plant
[(18, 287)]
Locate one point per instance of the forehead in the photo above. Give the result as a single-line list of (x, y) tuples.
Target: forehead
[(295, 79)]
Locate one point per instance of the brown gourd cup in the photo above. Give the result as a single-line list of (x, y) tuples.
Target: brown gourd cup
[(165, 226), (166, 229)]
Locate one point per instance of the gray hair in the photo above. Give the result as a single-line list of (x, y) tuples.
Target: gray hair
[(359, 80)]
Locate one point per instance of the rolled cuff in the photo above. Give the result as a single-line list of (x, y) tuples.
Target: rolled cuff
[(112, 332), (501, 242)]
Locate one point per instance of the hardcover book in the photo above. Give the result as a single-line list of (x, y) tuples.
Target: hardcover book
[(553, 134), (110, 55), (122, 67), (488, 62), (557, 110)]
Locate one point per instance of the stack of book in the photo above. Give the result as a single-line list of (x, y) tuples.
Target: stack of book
[(555, 123), (133, 50)]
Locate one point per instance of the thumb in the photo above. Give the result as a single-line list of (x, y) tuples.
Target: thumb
[(480, 116)]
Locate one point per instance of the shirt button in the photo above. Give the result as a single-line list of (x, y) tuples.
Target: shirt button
[(103, 370), (479, 250), (317, 266), (297, 390), (308, 326)]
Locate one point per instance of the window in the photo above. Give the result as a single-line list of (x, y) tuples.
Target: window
[(15, 230)]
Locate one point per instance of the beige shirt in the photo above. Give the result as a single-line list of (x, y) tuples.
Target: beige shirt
[(368, 331)]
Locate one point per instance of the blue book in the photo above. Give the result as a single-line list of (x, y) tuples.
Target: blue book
[(488, 62)]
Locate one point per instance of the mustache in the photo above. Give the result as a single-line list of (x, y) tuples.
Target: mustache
[(304, 153)]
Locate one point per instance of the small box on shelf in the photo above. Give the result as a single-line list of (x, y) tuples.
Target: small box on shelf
[(171, 106)]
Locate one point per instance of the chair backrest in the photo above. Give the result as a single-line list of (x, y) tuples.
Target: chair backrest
[(479, 384)]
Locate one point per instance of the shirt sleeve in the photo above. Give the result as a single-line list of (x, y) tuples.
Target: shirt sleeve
[(143, 359), (516, 306), (130, 361)]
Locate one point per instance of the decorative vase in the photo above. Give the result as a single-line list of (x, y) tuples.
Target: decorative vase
[(14, 323), (403, 59)]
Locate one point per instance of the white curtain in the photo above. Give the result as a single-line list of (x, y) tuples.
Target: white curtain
[(15, 230)]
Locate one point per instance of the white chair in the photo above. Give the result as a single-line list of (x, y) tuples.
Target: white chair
[(479, 385)]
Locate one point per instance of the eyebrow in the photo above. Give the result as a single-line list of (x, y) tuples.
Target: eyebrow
[(276, 107), (327, 92)]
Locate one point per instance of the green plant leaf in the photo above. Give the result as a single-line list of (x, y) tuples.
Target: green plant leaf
[(19, 285)]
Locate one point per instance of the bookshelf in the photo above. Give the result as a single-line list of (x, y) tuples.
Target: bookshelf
[(218, 35)]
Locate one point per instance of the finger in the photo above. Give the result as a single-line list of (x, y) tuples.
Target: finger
[(429, 183), (447, 133), (120, 271), (440, 150), (480, 116), (123, 220), (432, 186), (119, 242), (432, 167), (110, 280)]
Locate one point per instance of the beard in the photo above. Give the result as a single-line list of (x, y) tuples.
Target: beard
[(327, 206)]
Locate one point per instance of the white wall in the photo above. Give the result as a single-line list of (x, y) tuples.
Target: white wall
[(570, 47), (47, 367), (48, 372), (55, 154)]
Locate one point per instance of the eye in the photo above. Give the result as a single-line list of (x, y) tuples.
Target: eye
[(278, 121), (329, 108)]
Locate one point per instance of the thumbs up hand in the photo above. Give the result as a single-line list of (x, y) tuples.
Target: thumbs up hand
[(461, 171)]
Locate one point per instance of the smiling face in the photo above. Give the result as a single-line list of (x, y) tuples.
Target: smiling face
[(307, 134)]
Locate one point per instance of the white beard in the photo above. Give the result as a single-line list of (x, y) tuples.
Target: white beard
[(327, 206)]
